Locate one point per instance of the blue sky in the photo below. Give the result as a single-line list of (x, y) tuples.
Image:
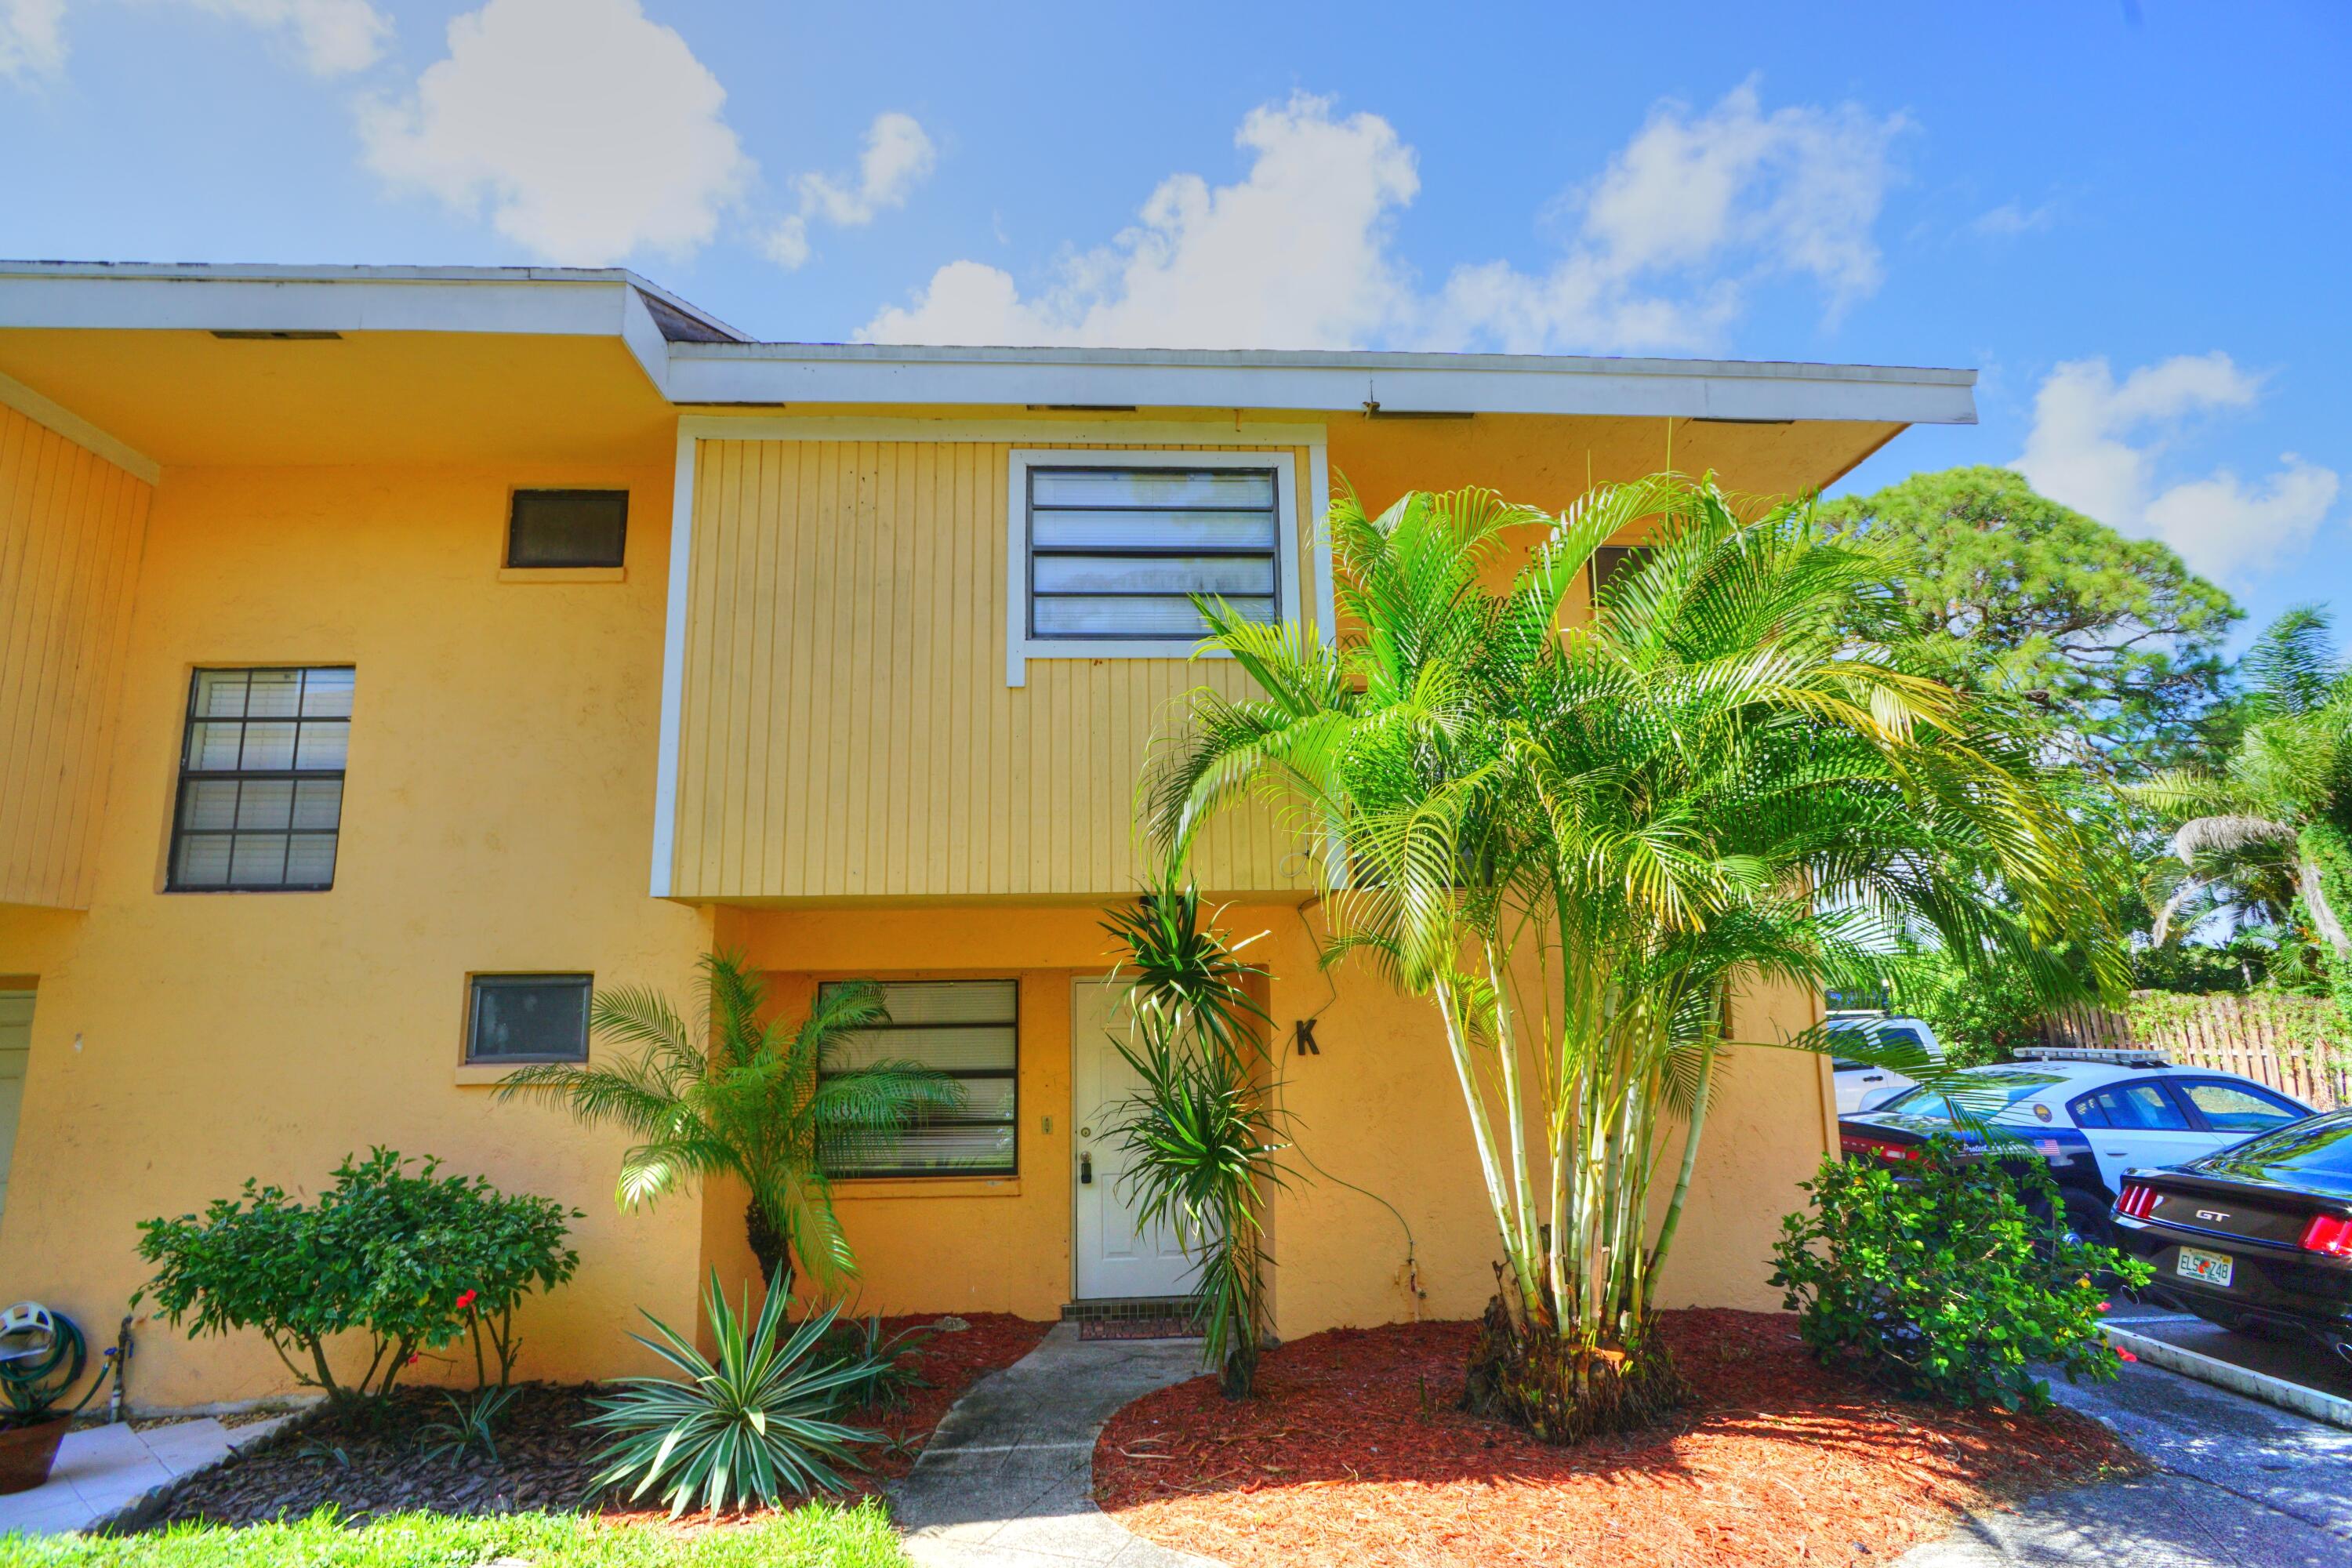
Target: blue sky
[(2130, 217)]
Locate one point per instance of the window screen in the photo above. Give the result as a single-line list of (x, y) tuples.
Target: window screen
[(967, 1030), (261, 781), (567, 528), (1117, 553), (529, 1018)]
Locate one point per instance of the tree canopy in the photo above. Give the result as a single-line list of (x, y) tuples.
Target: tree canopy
[(2008, 592)]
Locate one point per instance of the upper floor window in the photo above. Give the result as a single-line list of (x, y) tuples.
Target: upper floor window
[(967, 1030), (261, 780), (1110, 550), (567, 528)]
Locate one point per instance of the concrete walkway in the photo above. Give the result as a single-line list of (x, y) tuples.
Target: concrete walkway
[(2238, 1485), (101, 1470), (1007, 1482)]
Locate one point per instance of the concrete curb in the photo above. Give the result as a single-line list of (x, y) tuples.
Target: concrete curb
[(2331, 1408), (143, 1509)]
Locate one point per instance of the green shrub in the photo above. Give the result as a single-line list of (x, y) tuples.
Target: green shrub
[(1943, 1283), (749, 1427), (413, 1261)]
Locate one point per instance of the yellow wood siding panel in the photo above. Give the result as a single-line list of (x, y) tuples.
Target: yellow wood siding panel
[(71, 527), (846, 730)]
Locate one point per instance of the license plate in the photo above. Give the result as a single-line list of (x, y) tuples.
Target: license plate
[(2212, 1268)]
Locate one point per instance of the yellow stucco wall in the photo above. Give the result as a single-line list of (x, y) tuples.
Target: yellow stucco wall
[(1378, 1111), (846, 728), (497, 816), (72, 526)]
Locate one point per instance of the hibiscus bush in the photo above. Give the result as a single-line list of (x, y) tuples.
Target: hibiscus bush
[(405, 1262), (1943, 1278)]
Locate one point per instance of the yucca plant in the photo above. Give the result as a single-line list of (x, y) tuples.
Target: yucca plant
[(752, 1426), (1579, 842), (741, 1096), (1201, 1133)]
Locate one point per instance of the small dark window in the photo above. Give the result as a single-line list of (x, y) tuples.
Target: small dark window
[(567, 528), (1608, 560), (529, 1018), (260, 805)]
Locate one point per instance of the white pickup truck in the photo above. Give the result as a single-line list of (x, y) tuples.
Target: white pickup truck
[(1865, 1088)]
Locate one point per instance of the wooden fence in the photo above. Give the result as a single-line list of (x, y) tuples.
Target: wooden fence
[(2296, 1044)]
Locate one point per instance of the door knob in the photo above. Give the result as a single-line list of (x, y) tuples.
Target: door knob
[(1085, 1170)]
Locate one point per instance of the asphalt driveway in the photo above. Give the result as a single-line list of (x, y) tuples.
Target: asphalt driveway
[(2237, 1484)]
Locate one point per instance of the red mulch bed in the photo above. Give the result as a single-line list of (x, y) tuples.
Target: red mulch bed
[(1354, 1456)]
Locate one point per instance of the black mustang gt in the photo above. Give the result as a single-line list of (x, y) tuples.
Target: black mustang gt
[(2257, 1235)]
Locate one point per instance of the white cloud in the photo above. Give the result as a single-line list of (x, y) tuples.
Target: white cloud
[(2011, 219), (590, 131), (899, 156), (31, 37), (337, 36), (1295, 255), (1299, 253), (2098, 444)]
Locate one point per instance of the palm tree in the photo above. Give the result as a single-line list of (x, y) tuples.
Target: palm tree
[(751, 1104), (1714, 783), (2275, 824)]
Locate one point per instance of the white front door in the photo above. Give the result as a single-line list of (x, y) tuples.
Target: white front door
[(1113, 1258), (16, 1050)]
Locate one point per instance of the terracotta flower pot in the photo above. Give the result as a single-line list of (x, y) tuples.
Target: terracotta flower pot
[(27, 1452)]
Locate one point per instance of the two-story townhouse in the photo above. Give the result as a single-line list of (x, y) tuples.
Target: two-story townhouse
[(389, 656)]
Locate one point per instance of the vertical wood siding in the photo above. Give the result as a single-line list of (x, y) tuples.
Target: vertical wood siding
[(846, 730), (71, 527)]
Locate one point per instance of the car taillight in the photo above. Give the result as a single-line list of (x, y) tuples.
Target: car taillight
[(2328, 1236), (2136, 1201)]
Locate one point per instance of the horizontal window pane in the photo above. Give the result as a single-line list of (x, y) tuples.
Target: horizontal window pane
[(319, 803), (327, 694), (212, 747), (220, 694), (951, 1001), (933, 1151), (1081, 617), (203, 862), (960, 1048), (208, 803), (526, 1015), (324, 747), (1154, 530), (259, 860), (266, 803), (273, 693), (310, 859), (1233, 488), (268, 746), (1250, 575)]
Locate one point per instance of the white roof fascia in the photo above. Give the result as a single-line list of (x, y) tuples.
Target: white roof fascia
[(798, 375)]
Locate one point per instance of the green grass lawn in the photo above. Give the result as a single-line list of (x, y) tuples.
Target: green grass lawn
[(817, 1535)]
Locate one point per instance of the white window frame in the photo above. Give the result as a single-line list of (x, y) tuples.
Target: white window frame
[(1019, 648)]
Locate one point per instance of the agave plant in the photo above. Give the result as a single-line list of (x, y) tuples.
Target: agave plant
[(749, 1427)]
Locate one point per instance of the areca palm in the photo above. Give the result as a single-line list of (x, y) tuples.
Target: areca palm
[(1579, 843), (2275, 822), (741, 1096)]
